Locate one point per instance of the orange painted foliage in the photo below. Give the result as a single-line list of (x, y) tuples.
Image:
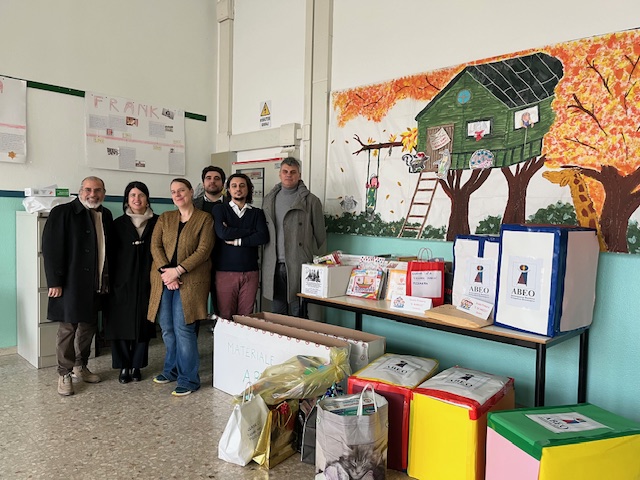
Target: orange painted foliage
[(597, 106), (374, 101)]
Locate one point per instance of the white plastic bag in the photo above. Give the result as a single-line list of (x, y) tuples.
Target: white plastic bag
[(44, 204), (240, 436)]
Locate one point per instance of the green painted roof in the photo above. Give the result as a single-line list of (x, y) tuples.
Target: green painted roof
[(520, 81)]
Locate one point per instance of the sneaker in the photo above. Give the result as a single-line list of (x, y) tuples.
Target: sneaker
[(161, 379), (84, 374), (181, 392), (65, 385)]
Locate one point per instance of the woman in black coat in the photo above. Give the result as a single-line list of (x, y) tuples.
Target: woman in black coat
[(129, 268)]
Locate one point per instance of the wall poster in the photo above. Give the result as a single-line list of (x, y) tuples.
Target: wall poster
[(123, 134), (13, 120)]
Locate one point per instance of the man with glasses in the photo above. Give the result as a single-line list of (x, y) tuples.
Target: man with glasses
[(74, 250)]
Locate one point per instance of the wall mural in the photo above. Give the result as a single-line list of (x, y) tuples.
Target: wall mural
[(548, 135)]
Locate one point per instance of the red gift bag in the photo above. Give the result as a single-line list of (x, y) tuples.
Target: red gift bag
[(425, 277)]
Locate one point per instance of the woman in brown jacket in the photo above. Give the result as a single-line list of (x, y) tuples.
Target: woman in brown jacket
[(181, 245)]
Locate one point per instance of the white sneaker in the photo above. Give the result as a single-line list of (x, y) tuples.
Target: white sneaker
[(65, 385), (84, 374)]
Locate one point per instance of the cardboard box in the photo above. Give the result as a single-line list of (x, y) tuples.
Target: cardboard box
[(555, 443), (448, 423), (475, 260), (325, 281), (365, 347), (547, 278), (244, 348), (394, 377)]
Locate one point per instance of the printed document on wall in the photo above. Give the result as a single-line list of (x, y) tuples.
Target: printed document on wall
[(13, 120), (124, 134)]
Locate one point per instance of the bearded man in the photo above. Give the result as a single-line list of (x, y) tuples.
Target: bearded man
[(74, 242)]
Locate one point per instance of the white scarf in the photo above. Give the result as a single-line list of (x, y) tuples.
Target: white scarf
[(140, 220)]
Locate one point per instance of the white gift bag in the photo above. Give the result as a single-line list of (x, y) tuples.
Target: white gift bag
[(240, 436)]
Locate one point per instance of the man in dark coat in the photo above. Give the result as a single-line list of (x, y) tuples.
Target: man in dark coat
[(213, 179), (74, 250)]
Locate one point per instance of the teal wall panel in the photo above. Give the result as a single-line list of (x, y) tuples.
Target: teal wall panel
[(614, 353)]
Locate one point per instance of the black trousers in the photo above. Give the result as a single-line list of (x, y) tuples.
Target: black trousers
[(129, 354), (280, 303)]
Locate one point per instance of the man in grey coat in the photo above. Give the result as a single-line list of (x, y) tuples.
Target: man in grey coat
[(296, 233)]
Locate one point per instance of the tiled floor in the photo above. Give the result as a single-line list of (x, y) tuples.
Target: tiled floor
[(114, 431)]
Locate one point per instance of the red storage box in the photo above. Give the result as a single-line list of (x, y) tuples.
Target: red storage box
[(394, 377)]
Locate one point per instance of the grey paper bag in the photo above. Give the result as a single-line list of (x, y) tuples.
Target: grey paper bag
[(352, 436)]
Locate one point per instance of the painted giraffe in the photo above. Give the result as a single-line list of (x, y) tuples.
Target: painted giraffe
[(587, 216)]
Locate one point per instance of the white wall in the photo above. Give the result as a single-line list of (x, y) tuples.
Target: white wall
[(268, 53), (378, 40), (152, 51)]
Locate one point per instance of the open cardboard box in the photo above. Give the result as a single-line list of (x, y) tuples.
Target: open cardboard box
[(365, 347), (243, 348)]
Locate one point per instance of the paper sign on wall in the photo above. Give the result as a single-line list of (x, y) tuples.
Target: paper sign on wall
[(123, 134), (13, 120)]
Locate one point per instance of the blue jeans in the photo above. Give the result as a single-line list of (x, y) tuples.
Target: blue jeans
[(181, 360)]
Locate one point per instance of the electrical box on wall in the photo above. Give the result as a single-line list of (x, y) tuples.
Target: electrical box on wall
[(224, 160)]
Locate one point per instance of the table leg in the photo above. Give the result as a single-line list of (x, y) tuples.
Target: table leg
[(359, 321), (582, 368), (304, 307), (541, 366)]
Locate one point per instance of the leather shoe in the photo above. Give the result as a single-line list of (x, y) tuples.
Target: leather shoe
[(136, 375), (124, 376)]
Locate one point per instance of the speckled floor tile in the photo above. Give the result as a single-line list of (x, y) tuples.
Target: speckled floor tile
[(114, 431)]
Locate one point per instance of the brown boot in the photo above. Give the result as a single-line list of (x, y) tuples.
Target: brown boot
[(65, 385), (84, 374)]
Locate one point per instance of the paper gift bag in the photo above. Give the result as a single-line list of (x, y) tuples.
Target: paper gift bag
[(475, 259), (276, 442), (547, 278), (352, 436), (425, 277), (308, 440), (240, 437)]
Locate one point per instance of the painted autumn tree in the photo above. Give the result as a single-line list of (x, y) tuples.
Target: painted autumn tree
[(597, 128), (373, 102)]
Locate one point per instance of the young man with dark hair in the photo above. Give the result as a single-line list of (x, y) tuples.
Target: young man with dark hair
[(240, 229), (213, 179)]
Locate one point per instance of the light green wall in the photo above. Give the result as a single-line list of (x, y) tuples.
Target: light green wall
[(8, 207), (8, 324), (614, 353)]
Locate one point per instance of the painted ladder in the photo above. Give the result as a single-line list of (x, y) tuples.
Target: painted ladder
[(420, 204)]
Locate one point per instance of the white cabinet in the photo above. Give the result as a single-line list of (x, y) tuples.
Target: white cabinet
[(36, 334)]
